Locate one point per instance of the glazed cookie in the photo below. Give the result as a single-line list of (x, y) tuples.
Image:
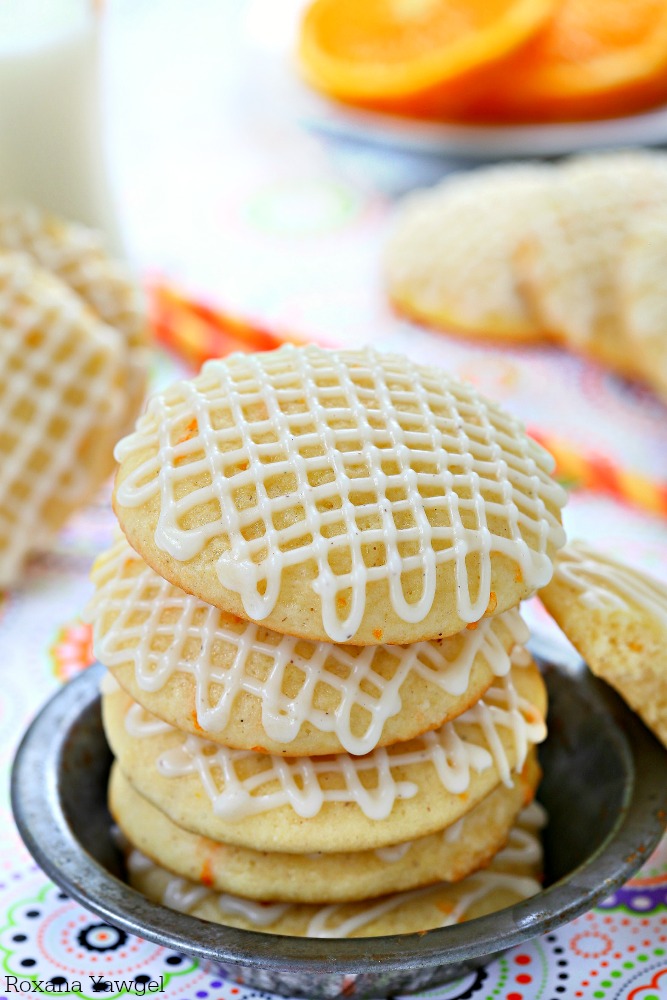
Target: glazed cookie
[(77, 256), (337, 802), (617, 619), (241, 685), (449, 259), (513, 875), (61, 401), (446, 856), (347, 496)]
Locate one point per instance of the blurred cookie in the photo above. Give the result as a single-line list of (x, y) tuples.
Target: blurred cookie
[(350, 496), (449, 261), (617, 619), (337, 802), (77, 256), (61, 403), (513, 875), (569, 259), (642, 282), (239, 684), (447, 855)]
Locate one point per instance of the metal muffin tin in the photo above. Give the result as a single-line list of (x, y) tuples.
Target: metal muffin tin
[(604, 788)]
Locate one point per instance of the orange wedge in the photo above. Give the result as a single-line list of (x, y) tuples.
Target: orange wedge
[(595, 58), (396, 54)]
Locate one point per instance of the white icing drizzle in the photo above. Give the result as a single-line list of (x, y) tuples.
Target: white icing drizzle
[(141, 619), (607, 585), (140, 724), (365, 440), (523, 846), (276, 781), (78, 257), (328, 921), (392, 854), (452, 834)]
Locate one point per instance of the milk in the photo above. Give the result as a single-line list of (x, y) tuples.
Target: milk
[(51, 128)]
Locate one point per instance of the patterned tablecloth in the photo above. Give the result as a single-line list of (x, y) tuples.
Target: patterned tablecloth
[(252, 214)]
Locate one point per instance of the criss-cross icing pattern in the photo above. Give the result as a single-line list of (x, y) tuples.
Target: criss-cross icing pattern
[(240, 783), (342, 920), (606, 585), (365, 465), (59, 386), (78, 257), (141, 619)]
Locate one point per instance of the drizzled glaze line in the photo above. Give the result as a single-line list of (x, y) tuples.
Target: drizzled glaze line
[(363, 442), (523, 849), (607, 585), (277, 781), (134, 610)]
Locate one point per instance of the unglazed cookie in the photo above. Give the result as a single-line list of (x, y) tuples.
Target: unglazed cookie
[(617, 619), (348, 496), (77, 256), (447, 856), (449, 258), (571, 254), (239, 684), (61, 404), (331, 803), (513, 875), (643, 292)]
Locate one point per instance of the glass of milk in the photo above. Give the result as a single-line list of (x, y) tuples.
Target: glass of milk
[(52, 149)]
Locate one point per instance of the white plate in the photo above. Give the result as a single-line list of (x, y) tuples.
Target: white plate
[(482, 142)]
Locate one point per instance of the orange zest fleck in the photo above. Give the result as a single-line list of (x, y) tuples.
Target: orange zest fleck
[(471, 626), (189, 432), (206, 873), (195, 721), (493, 603), (377, 633)]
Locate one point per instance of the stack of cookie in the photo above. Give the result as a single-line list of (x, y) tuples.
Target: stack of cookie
[(319, 696), (574, 252), (73, 366)]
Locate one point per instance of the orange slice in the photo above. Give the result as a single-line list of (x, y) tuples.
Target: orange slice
[(595, 58), (391, 53)]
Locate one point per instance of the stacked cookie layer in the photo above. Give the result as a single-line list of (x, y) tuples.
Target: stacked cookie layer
[(320, 690)]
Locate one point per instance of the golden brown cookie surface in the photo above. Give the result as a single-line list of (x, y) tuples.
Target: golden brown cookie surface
[(348, 496), (512, 875), (616, 617), (446, 856), (239, 684), (336, 802)]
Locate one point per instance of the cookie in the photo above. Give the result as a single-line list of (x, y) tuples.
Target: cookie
[(569, 259), (332, 803), (616, 617), (348, 496), (61, 404), (77, 256), (643, 293), (513, 875), (207, 672), (449, 257), (446, 856)]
